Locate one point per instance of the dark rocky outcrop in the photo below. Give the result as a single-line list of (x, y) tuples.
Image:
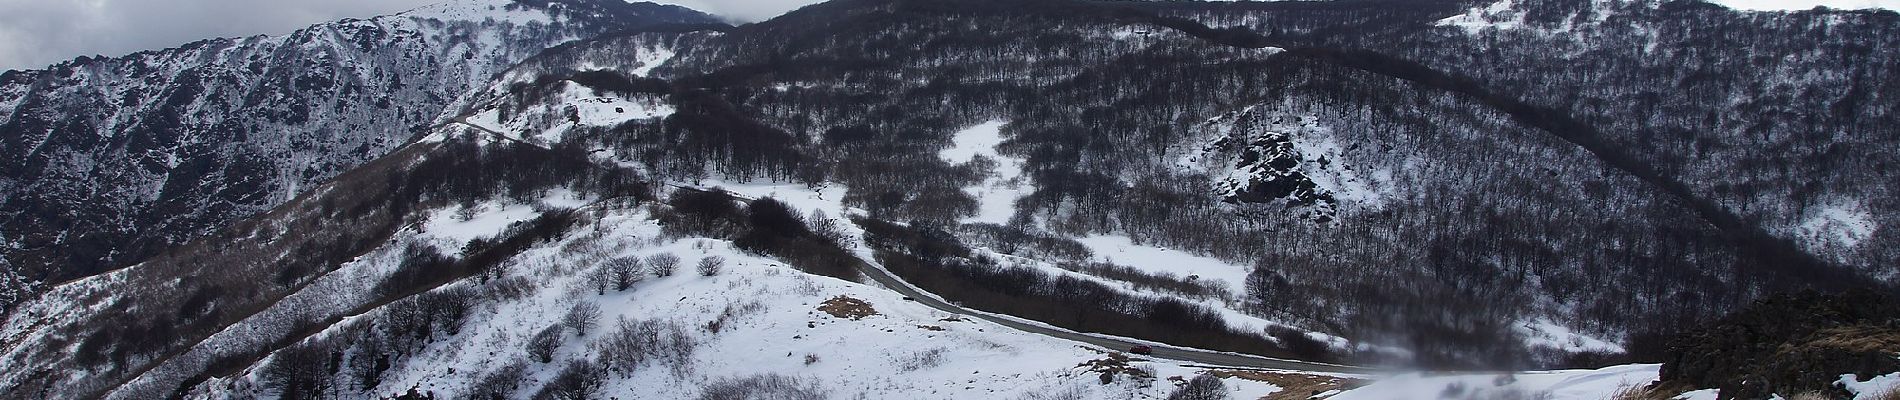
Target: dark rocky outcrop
[(1789, 344)]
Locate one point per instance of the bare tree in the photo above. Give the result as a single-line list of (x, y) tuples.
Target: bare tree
[(582, 318), (824, 227), (541, 348)]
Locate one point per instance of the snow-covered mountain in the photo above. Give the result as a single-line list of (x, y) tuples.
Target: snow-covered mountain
[(110, 160), (1002, 199)]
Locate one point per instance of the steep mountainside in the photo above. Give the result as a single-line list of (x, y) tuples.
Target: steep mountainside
[(108, 160), (659, 213)]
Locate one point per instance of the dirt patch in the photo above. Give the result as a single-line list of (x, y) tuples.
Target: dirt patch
[(933, 328), (1117, 364), (847, 307), (1293, 386)]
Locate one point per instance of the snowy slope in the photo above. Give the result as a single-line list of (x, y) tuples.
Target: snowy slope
[(769, 321), (997, 194), (174, 143)]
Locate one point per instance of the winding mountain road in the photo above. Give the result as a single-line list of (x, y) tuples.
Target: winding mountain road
[(1211, 358)]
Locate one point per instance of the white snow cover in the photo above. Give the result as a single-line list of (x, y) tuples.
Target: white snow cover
[(1840, 225), (1795, 5), (1872, 387), (574, 106), (479, 11), (771, 325), (1544, 333), (997, 195), (1504, 15), (1500, 15), (598, 110), (1550, 385), (1122, 250)]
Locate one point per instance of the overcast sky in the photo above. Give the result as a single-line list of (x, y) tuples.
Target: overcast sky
[(36, 33)]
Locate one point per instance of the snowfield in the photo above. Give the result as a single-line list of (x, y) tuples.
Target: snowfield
[(1122, 250), (997, 194)]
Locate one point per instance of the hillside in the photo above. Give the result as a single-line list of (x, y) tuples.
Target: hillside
[(110, 160), (1004, 199)]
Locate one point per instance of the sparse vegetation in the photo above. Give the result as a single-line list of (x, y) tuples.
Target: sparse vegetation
[(921, 360), (635, 343), (766, 386), (1201, 387), (710, 266), (664, 264)]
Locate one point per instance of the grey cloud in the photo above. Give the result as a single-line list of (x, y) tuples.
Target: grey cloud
[(742, 10)]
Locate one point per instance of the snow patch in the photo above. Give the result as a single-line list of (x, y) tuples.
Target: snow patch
[(996, 196), (1544, 333), (1843, 225), (480, 11), (1551, 385), (1797, 5), (1502, 15), (607, 111), (1122, 250), (1872, 387)]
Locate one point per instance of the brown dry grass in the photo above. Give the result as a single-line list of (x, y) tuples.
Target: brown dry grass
[(847, 307), (1890, 394), (1293, 386), (1643, 392), (1860, 338), (1808, 396)]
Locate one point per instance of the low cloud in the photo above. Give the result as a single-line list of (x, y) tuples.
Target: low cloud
[(742, 10)]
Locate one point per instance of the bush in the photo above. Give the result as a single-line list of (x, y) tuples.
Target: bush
[(624, 272), (766, 386), (710, 266), (1202, 387), (302, 371), (500, 384), (1299, 343), (541, 348), (635, 343), (578, 381), (664, 264)]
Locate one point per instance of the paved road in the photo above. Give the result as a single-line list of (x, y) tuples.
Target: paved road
[(1168, 352)]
